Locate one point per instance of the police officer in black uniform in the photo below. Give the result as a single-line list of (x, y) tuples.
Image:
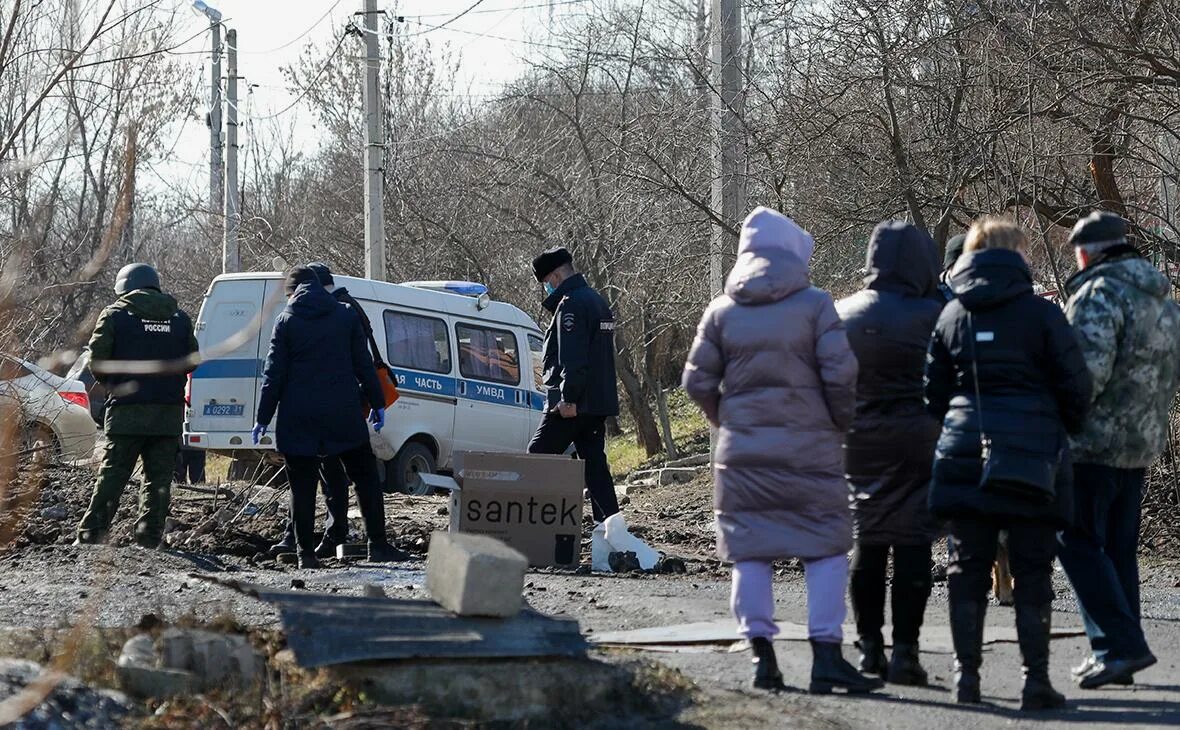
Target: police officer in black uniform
[(579, 372)]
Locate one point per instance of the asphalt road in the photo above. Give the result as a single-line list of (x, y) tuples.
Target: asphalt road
[(60, 585)]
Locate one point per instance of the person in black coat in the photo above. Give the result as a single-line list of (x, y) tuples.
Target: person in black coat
[(317, 358), (1033, 388), (334, 479), (889, 325), (579, 371)]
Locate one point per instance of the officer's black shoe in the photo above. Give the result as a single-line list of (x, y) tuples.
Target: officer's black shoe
[(1088, 665), (308, 561), (904, 667), (326, 549), (872, 655), (830, 671), (766, 673), (1115, 671), (286, 545), (383, 552)]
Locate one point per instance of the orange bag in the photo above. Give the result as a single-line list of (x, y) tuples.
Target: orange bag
[(388, 385)]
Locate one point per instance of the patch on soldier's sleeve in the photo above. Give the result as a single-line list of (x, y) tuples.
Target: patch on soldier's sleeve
[(568, 321)]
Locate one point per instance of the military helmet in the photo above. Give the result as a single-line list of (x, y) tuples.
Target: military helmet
[(136, 276)]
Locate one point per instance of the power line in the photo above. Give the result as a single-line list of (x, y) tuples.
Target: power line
[(499, 10), (444, 24), (307, 87), (297, 38)]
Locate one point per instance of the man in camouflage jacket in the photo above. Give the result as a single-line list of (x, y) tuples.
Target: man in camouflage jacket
[(1123, 311)]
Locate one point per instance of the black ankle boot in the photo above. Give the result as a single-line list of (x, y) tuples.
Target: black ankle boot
[(967, 635), (829, 671), (905, 668), (766, 673), (1032, 631), (872, 655)]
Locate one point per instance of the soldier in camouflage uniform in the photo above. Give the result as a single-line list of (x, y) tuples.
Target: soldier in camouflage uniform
[(1127, 323), (145, 412)]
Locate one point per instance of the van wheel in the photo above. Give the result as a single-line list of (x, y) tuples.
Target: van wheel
[(401, 474)]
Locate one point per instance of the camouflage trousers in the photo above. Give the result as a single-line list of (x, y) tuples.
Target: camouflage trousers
[(118, 461)]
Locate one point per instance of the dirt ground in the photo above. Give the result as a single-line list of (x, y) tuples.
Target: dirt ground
[(46, 584)]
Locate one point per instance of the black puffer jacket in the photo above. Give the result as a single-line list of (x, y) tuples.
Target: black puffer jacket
[(1033, 382), (890, 447)]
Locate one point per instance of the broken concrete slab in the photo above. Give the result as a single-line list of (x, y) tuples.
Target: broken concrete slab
[(475, 575), (187, 660), (324, 629), (694, 460)]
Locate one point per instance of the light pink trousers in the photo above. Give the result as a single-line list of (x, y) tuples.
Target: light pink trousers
[(752, 599)]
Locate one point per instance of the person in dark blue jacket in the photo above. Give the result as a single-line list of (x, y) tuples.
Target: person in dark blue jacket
[(1032, 387), (579, 371), (889, 325), (317, 360)]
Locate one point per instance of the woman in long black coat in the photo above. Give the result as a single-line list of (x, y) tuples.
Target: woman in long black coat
[(318, 375), (1033, 388), (890, 447)]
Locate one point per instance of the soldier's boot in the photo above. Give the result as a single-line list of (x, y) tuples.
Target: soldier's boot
[(155, 494), (118, 461), (1032, 631)]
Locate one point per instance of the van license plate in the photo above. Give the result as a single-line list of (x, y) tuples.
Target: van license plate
[(228, 409)]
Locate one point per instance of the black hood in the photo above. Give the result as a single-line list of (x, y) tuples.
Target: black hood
[(311, 301), (989, 278), (901, 259)]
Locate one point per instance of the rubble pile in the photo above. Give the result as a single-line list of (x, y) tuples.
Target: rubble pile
[(71, 703)]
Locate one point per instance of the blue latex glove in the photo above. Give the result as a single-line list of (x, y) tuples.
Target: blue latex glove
[(377, 418), (258, 432)]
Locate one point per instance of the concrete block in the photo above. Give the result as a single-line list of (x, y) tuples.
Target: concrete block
[(155, 682), (211, 658), (678, 475), (175, 648), (475, 575)]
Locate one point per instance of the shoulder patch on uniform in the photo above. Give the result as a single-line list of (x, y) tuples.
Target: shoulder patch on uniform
[(568, 321)]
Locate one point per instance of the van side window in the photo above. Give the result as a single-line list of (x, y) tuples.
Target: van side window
[(488, 354), (417, 343), (537, 351)]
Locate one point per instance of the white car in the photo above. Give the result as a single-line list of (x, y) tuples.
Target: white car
[(54, 411)]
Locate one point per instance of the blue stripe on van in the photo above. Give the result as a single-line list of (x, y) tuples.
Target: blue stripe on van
[(245, 368), (407, 380)]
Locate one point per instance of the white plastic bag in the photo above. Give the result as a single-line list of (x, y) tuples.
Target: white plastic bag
[(600, 550), (622, 541)]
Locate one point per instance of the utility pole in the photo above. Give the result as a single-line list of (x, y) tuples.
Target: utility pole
[(231, 261), (728, 194), (215, 171), (374, 151)]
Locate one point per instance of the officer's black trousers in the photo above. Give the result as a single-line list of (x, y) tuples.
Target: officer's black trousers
[(588, 435), (303, 473), (910, 590), (334, 485)]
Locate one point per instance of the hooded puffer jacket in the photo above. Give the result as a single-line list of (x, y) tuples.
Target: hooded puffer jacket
[(1032, 380), (772, 367), (317, 358), (890, 448)]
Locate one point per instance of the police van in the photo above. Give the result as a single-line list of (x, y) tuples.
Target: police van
[(468, 370)]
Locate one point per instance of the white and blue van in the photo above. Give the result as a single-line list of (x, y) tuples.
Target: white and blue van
[(468, 369)]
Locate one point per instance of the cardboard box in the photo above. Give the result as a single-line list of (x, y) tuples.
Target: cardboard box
[(531, 502)]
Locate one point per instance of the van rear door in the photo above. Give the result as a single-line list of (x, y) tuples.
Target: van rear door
[(225, 386)]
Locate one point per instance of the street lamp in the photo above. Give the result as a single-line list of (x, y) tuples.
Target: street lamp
[(213, 14)]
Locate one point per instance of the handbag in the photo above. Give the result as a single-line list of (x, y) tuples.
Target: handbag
[(1006, 471)]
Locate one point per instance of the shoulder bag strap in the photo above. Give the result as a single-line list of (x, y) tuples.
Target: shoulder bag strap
[(975, 378)]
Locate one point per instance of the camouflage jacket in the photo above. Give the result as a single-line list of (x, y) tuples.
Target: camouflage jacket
[(1129, 329)]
